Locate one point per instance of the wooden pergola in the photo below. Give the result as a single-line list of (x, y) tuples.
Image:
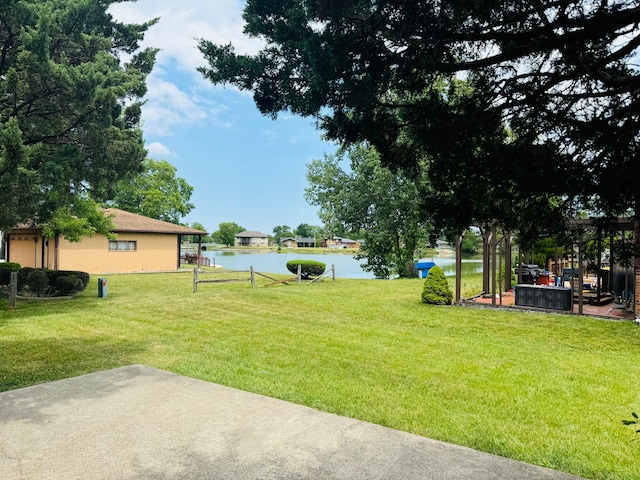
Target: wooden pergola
[(581, 227)]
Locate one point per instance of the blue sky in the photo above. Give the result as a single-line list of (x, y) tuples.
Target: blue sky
[(244, 168)]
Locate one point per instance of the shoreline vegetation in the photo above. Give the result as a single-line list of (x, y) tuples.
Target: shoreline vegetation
[(192, 247), (546, 389)]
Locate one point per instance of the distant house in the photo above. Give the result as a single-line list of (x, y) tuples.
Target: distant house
[(142, 244), (251, 239), (443, 245), (288, 242), (298, 242), (339, 242)]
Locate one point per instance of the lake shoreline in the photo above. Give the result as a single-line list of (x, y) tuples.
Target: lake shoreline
[(209, 247), (345, 263)]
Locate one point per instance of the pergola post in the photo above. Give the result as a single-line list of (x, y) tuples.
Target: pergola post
[(599, 272), (458, 268), (636, 267), (486, 245), (507, 262), (611, 262), (494, 248), (580, 273)]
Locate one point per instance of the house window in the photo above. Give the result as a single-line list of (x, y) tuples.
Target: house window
[(123, 245)]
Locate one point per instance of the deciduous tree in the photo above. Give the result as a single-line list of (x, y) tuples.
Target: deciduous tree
[(308, 231), (282, 231), (201, 227), (370, 198), (471, 242), (155, 192), (226, 233)]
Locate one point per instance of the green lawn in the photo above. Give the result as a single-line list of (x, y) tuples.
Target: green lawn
[(546, 389)]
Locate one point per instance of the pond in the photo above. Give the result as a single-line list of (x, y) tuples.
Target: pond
[(346, 266)]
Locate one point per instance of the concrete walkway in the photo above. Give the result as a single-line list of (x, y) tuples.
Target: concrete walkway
[(140, 423)]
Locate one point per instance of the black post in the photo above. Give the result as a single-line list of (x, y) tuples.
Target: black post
[(13, 290)]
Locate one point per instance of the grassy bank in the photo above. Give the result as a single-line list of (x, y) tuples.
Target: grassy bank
[(546, 389)]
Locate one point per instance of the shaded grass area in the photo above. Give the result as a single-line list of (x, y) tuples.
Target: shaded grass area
[(546, 389)]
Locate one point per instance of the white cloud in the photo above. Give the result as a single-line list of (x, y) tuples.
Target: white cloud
[(168, 108), (178, 95), (182, 24), (157, 149)]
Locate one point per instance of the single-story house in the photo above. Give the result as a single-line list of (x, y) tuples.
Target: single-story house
[(339, 242), (298, 242), (443, 245), (252, 239), (142, 244)]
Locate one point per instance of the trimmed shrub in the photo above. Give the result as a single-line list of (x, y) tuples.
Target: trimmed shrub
[(74, 281), (5, 271), (42, 281), (436, 290), (84, 276), (23, 273), (308, 268), (68, 285), (38, 281)]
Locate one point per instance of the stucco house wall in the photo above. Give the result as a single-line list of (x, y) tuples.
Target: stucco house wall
[(141, 244), (153, 252)]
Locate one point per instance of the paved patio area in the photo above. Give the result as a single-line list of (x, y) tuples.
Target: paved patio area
[(137, 422), (609, 310)]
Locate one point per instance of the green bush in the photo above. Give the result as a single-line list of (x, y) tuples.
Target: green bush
[(436, 290), (5, 271), (37, 281), (308, 268), (68, 285), (82, 276), (43, 281), (23, 273)]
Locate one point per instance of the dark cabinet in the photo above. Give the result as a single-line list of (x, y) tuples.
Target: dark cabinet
[(554, 298)]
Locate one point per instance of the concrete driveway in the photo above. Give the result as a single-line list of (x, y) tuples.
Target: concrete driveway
[(137, 422)]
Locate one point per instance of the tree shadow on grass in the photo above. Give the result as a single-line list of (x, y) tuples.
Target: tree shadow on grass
[(29, 362)]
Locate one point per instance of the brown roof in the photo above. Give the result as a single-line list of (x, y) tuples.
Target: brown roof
[(251, 234), (132, 222)]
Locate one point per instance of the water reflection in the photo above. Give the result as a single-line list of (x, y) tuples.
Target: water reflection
[(469, 266), (346, 266)]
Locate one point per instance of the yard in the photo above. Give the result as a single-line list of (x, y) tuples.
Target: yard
[(545, 389)]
